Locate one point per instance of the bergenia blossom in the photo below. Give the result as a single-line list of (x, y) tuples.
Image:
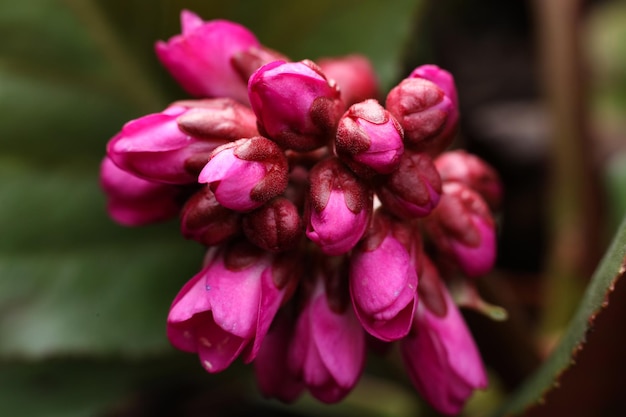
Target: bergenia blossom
[(332, 221)]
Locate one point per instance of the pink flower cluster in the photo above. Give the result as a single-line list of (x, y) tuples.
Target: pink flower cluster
[(331, 219)]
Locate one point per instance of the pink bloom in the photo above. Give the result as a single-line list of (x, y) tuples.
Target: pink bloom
[(440, 354), (369, 139), (200, 58), (460, 166), (412, 190), (133, 201), (160, 147), (296, 106), (246, 173), (276, 226), (426, 107), (339, 208), (227, 307), (462, 228), (328, 347), (355, 76), (205, 220), (271, 368), (383, 282)]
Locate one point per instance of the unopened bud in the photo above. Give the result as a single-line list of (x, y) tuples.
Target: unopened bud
[(463, 167), (413, 189), (276, 226), (246, 173), (427, 113), (295, 104), (462, 228), (205, 220), (369, 139), (340, 205)]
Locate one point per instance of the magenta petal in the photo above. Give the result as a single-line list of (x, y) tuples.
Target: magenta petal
[(328, 349), (216, 348), (189, 21), (235, 296), (271, 369), (479, 260), (199, 72), (442, 358), (270, 301), (383, 287), (340, 341), (336, 229)]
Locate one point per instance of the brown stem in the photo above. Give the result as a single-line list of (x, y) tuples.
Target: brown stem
[(574, 202)]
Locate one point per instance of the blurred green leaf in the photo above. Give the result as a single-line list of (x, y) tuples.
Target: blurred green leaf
[(593, 304), (81, 388)]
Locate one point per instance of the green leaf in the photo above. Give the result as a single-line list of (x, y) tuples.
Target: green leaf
[(596, 301), (71, 280), (81, 388)]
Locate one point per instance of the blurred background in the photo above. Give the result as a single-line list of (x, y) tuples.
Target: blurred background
[(83, 301)]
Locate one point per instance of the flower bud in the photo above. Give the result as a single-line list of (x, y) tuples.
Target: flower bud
[(133, 201), (275, 226), (328, 347), (439, 76), (426, 111), (200, 58), (246, 173), (296, 106), (339, 207), (205, 220), (472, 171), (413, 189), (355, 76), (440, 354), (369, 139), (163, 147), (462, 228), (383, 281), (226, 309)]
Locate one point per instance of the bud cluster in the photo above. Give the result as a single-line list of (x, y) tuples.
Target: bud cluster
[(327, 215)]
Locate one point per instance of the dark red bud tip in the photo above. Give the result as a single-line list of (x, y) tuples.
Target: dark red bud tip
[(275, 226), (429, 118), (203, 219)]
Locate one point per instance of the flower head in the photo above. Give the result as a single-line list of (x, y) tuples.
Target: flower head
[(320, 206)]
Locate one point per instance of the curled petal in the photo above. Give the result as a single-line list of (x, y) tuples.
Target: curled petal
[(204, 74)]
